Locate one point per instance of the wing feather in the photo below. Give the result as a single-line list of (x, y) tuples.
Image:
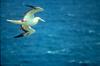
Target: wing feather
[(30, 14), (15, 21)]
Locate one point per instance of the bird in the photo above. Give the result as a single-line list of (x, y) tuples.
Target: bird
[(28, 21)]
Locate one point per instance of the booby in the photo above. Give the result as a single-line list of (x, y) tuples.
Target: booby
[(28, 21)]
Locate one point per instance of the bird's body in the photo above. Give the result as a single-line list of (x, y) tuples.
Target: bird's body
[(31, 22), (28, 21)]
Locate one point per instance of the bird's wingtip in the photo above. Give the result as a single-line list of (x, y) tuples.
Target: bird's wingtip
[(7, 19), (31, 6)]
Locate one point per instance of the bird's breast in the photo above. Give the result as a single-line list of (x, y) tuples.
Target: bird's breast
[(30, 23)]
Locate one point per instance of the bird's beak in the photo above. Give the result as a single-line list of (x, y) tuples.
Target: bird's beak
[(42, 20)]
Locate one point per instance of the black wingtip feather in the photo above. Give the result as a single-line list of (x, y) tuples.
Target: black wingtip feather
[(31, 6), (20, 35)]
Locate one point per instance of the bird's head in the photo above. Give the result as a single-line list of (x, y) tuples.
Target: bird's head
[(39, 19)]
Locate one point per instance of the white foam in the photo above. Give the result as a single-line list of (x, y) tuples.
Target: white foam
[(91, 31), (52, 52), (56, 51), (70, 14), (71, 61), (98, 43), (86, 61), (80, 62)]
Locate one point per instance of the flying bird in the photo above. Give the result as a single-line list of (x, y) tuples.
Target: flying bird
[(28, 21)]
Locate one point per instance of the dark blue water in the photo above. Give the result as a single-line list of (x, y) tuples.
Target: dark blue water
[(70, 36)]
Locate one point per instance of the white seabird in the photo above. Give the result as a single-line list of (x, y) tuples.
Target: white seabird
[(28, 21)]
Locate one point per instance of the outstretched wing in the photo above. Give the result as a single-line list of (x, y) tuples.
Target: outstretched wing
[(30, 14), (27, 31), (16, 21)]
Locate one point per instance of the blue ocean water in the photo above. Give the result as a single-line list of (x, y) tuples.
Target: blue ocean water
[(69, 37)]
